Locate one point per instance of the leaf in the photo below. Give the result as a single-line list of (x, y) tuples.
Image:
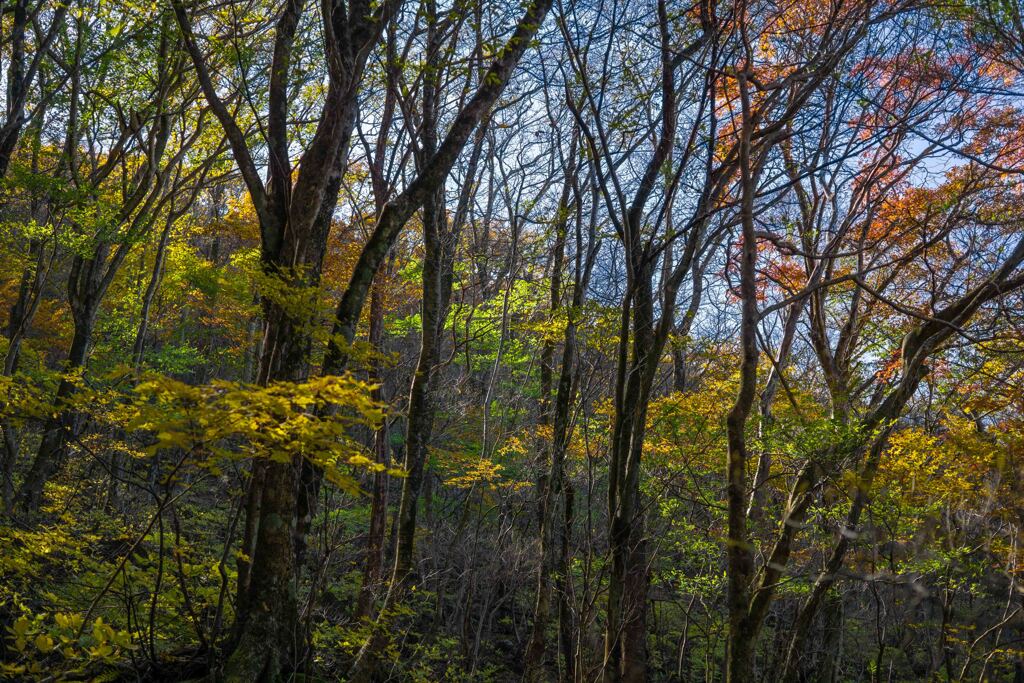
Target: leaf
[(43, 643), (21, 626)]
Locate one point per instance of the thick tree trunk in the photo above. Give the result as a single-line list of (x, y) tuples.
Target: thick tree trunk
[(438, 263), (269, 638), (420, 416)]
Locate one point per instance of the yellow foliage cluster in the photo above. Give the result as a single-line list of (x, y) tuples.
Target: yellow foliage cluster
[(947, 468), (36, 638), (282, 421), (466, 470)]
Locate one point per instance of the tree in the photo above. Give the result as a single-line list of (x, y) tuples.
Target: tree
[(450, 341), (294, 219), (124, 192)]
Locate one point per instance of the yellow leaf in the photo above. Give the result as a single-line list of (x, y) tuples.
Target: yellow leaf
[(21, 626), (44, 643)]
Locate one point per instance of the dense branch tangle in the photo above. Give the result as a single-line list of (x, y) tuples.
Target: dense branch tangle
[(576, 341)]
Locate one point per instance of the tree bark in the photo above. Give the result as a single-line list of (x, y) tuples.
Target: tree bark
[(64, 423), (554, 528), (139, 347)]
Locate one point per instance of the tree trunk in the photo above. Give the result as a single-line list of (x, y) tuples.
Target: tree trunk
[(419, 422), (22, 312), (625, 656), (759, 493), (139, 347), (268, 637), (563, 584), (551, 484), (64, 423), (379, 499), (743, 627)]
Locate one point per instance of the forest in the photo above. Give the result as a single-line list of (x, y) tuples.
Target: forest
[(588, 341)]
